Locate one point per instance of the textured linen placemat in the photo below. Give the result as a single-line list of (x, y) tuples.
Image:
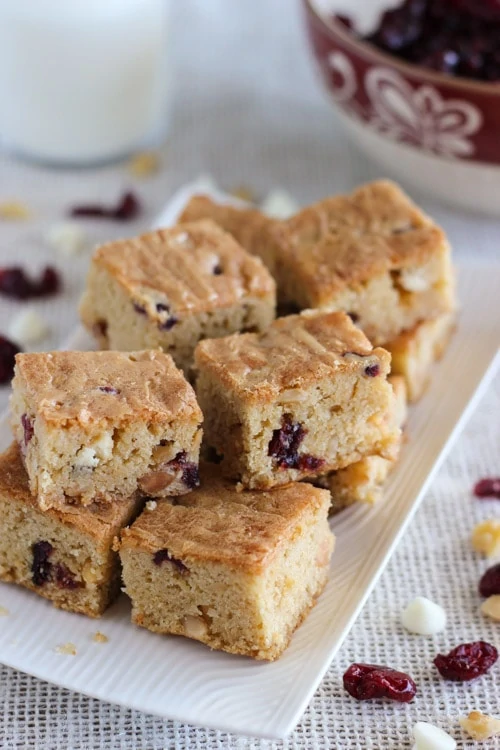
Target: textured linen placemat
[(248, 110)]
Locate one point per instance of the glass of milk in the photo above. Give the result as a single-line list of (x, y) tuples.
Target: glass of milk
[(83, 81)]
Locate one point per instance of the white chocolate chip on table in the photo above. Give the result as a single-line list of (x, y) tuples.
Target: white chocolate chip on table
[(28, 327), (67, 238), (424, 617), (429, 737)]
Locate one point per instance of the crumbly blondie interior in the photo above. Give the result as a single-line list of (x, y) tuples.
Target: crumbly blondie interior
[(415, 351), (92, 425), (308, 396), (171, 288), (364, 480), (237, 571), (66, 557)]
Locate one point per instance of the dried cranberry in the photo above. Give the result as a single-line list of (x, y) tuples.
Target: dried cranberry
[(190, 471), (139, 308), (353, 316), (64, 578), (372, 371), (27, 424), (41, 568), (15, 283), (285, 442), (162, 307), (217, 270), (8, 351), (367, 681), (127, 208), (488, 488), (458, 37), (169, 323), (489, 585), (109, 389), (467, 661), (163, 555), (191, 476), (309, 463), (284, 446)]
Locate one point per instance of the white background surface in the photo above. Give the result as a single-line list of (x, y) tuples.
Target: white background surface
[(248, 110)]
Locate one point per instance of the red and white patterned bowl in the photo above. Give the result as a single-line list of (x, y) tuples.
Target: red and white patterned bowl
[(438, 132)]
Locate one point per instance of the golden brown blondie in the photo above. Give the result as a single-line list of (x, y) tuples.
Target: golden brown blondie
[(364, 480), (94, 424), (414, 352), (64, 556), (308, 396), (238, 571), (170, 288), (372, 254)]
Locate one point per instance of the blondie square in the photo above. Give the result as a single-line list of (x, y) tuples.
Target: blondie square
[(238, 571), (65, 556), (91, 425), (308, 396), (364, 480), (372, 254), (170, 288), (414, 352)]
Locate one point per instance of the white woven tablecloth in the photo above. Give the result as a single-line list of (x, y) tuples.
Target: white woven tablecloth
[(248, 110)]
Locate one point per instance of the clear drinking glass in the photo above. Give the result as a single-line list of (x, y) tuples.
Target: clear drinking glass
[(83, 81)]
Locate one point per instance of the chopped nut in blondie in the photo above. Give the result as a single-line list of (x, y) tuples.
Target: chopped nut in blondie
[(238, 571)]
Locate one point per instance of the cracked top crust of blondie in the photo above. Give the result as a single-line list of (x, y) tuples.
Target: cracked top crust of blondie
[(243, 223), (346, 240), (295, 352), (216, 523), (100, 520), (189, 268), (69, 388)]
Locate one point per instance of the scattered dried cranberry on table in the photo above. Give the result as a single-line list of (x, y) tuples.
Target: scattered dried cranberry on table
[(488, 488), (467, 661), (127, 208), (489, 585), (458, 37), (8, 351), (368, 681), (15, 283)]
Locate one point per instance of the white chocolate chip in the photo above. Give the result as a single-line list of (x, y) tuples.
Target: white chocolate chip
[(429, 737), (86, 458), (480, 726), (278, 204), (67, 238), (103, 446), (424, 617), (151, 505), (413, 280), (28, 328)]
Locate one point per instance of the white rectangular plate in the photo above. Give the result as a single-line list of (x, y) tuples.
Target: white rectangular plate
[(181, 679)]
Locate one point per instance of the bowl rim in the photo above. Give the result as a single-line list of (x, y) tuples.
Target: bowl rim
[(371, 53)]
